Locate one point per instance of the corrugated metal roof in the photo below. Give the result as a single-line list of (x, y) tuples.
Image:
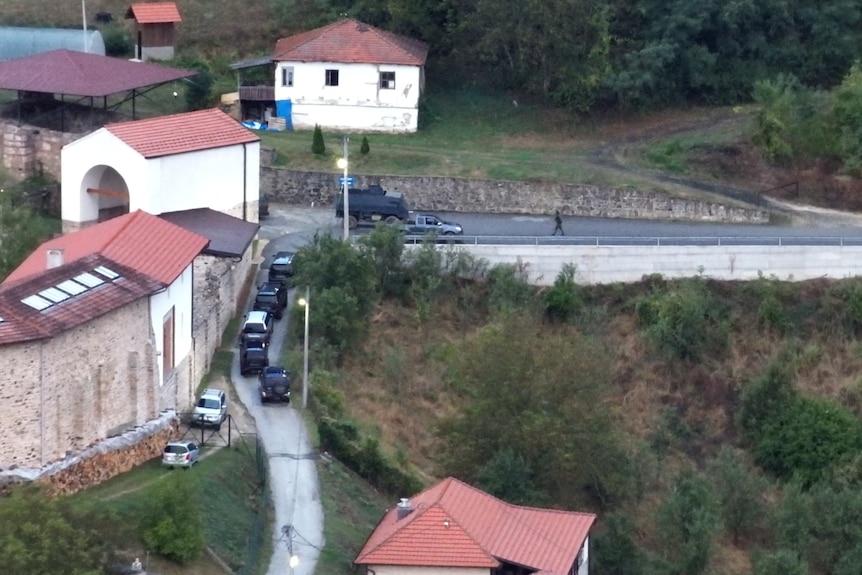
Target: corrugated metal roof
[(228, 236), (181, 133), (351, 42), (251, 63), (22, 323), (544, 540), (143, 242), (154, 13), (21, 42), (79, 74)]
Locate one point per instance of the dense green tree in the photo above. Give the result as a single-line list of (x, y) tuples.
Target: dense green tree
[(848, 117), (615, 549), (779, 562), (385, 247), (740, 492), (509, 476), (21, 229), (318, 146), (172, 524), (41, 535), (688, 520), (538, 395)]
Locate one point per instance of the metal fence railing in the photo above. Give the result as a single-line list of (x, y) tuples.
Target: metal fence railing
[(831, 241)]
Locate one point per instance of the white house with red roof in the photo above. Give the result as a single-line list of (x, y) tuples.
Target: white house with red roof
[(202, 159), (350, 76), (452, 528)]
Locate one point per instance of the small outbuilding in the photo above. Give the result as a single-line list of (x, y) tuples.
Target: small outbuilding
[(155, 29)]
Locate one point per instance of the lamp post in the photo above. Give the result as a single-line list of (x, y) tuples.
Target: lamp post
[(343, 163), (306, 303), (294, 561)]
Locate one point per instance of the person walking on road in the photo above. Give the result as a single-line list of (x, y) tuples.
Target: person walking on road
[(558, 227)]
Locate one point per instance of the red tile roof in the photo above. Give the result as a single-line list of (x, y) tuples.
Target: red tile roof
[(455, 525), (20, 322), (143, 242), (154, 13), (181, 133), (81, 74), (351, 42)]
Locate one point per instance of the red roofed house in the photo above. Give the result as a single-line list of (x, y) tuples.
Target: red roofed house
[(350, 76), (202, 159), (155, 29), (455, 529), (95, 337)]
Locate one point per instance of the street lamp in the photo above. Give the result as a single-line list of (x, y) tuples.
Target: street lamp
[(343, 164), (306, 303), (294, 561)]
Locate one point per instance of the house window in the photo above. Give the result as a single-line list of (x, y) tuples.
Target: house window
[(287, 76), (332, 77), (387, 80)]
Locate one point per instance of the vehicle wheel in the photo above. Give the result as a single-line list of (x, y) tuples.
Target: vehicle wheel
[(392, 220), (351, 222)]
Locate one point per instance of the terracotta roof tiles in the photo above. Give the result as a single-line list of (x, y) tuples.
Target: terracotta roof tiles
[(544, 540), (154, 13), (351, 42), (143, 242), (21, 322), (181, 133)]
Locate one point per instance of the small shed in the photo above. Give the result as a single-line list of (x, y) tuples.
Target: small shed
[(155, 29)]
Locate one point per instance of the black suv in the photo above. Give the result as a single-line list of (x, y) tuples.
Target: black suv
[(274, 384), (281, 267), (253, 357), (271, 297)]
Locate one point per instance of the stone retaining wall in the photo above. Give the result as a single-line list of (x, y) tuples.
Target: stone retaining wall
[(497, 196), (28, 150)]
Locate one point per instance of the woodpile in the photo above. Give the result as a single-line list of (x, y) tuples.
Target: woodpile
[(103, 466)]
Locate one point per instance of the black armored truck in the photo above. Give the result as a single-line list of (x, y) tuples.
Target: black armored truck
[(371, 205)]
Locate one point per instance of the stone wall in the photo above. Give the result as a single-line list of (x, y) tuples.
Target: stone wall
[(497, 196), (29, 150)]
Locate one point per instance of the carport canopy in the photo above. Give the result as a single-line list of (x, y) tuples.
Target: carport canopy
[(72, 73)]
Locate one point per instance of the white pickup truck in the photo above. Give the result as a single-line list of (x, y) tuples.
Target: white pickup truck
[(424, 224)]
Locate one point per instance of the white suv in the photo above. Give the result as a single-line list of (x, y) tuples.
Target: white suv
[(211, 408), (257, 327)]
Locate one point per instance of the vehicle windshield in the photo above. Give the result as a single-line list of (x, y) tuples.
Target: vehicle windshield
[(175, 449), (254, 328), (208, 403), (267, 299), (279, 267)]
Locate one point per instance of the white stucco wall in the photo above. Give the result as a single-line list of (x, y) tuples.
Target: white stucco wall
[(358, 102), (86, 163), (178, 295), (584, 568), (403, 570), (608, 264), (215, 178)]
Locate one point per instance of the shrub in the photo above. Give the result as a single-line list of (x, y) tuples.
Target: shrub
[(199, 87), (172, 525), (117, 42), (508, 290), (740, 492), (318, 146), (364, 148), (563, 301)]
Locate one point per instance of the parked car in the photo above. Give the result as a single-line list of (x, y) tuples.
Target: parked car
[(253, 357), (181, 454), (210, 408), (274, 384), (281, 267), (271, 297), (257, 327)]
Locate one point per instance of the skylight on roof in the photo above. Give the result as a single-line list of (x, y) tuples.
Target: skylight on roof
[(88, 280), (72, 287), (54, 295), (2, 320), (37, 302), (107, 272)]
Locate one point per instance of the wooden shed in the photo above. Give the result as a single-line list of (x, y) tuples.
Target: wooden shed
[(155, 29)]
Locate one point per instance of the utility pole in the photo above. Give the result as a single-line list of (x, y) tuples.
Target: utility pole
[(346, 194), (305, 345), (84, 19)]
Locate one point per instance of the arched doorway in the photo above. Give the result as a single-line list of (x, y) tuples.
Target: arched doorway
[(106, 193)]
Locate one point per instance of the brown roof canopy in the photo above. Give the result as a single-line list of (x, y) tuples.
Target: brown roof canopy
[(81, 74)]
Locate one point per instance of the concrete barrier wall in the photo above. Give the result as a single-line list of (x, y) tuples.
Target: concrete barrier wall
[(609, 264), (504, 197)]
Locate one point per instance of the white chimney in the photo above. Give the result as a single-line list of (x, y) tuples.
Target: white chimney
[(404, 508), (55, 258)]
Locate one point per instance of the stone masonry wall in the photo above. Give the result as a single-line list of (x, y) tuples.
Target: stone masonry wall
[(497, 196), (64, 394), (29, 150)]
